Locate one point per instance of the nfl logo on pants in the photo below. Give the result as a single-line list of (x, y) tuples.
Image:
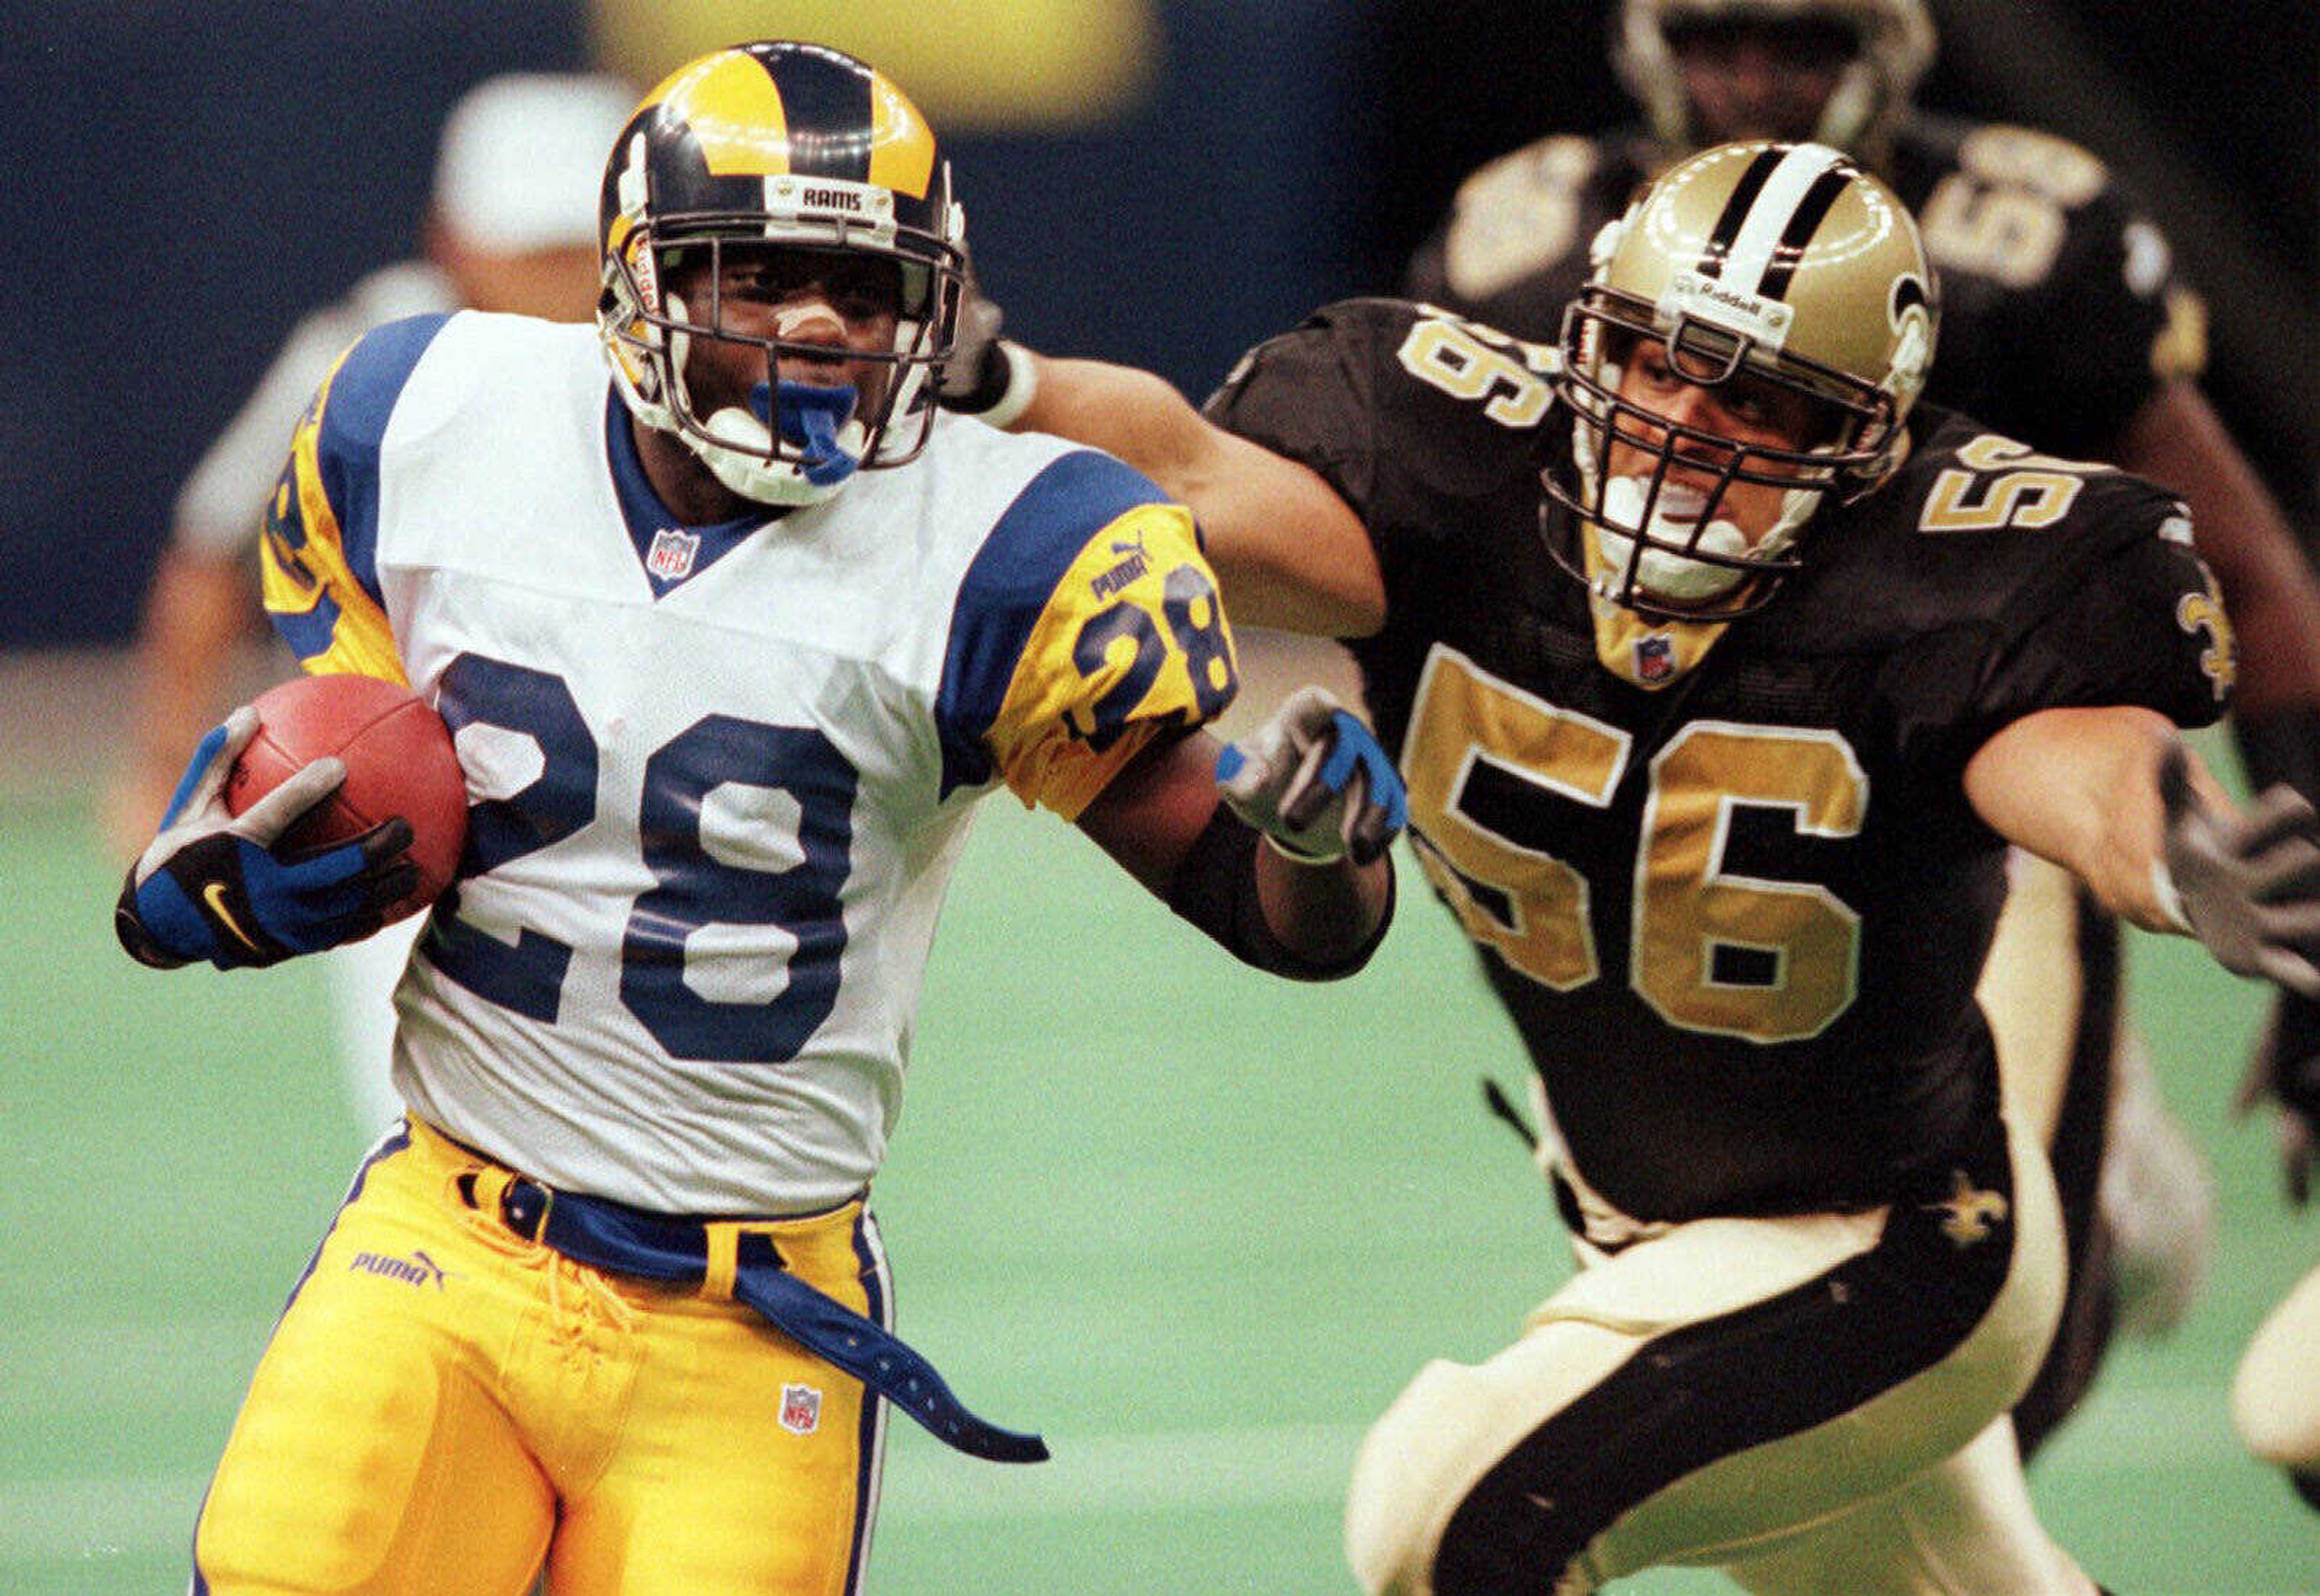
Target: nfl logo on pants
[(800, 1409)]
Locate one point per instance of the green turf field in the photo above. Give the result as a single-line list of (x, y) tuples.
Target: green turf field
[(1195, 1225)]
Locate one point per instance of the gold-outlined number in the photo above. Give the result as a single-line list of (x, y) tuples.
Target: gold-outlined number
[(1770, 961), (1999, 482), (2004, 213), (1693, 918), (1470, 362), (1464, 716)]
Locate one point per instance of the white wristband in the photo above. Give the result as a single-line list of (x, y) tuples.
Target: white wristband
[(1023, 386)]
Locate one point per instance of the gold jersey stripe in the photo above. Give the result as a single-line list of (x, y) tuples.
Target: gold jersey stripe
[(295, 581), (1039, 737)]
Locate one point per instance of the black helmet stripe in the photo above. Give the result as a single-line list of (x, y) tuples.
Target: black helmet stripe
[(1810, 213), (1787, 193), (825, 102), (1736, 211)]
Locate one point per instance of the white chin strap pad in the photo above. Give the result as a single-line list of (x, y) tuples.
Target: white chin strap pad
[(739, 450), (1662, 573)]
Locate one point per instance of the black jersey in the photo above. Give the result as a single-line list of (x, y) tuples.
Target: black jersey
[(2060, 313), (1726, 880)]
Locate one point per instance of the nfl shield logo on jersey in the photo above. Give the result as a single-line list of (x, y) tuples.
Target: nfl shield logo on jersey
[(800, 1409), (672, 555), (1654, 656)]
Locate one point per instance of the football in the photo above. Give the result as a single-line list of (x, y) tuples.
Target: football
[(399, 761)]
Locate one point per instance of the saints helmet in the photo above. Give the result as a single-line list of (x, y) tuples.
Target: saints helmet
[(798, 146), (1894, 45), (1757, 263)]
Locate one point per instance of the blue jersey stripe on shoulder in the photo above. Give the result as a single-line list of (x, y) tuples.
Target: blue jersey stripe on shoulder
[(1030, 547), (354, 420), (312, 632)]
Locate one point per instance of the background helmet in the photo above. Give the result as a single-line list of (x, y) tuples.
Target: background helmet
[(1896, 45), (1785, 261), (790, 144)]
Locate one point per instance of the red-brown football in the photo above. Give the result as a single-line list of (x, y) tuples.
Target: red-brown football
[(399, 761)]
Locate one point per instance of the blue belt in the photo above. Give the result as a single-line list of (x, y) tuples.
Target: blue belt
[(611, 1236)]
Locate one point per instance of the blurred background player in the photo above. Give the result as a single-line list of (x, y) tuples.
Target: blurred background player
[(2276, 1392), (511, 227), (2064, 325)]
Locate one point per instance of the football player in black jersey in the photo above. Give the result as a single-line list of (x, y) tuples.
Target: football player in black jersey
[(2062, 324), (1721, 675)]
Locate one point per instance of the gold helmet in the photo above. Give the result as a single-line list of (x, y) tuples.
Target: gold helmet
[(809, 150), (1755, 267), (1892, 45)]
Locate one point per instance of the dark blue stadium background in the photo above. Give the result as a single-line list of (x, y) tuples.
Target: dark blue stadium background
[(185, 179)]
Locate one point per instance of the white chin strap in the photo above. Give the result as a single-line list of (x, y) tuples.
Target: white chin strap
[(739, 449), (1662, 573), (741, 458)]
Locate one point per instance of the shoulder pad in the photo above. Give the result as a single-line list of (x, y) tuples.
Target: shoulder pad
[(1414, 416), (1973, 528)]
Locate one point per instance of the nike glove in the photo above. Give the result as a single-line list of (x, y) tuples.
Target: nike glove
[(211, 887), (1316, 781)]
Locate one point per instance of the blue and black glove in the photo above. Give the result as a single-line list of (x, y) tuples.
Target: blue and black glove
[(1316, 781), (211, 886)]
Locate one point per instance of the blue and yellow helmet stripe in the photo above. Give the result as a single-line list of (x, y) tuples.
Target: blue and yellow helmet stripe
[(793, 146), (720, 125)]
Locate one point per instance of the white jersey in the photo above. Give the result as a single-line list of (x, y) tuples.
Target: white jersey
[(717, 775)]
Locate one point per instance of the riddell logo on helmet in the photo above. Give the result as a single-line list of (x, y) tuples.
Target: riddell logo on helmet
[(1764, 320)]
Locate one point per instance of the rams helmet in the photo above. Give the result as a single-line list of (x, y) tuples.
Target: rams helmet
[(1786, 265), (1893, 43), (794, 145)]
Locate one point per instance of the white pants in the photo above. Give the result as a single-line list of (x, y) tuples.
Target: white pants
[(1718, 1393)]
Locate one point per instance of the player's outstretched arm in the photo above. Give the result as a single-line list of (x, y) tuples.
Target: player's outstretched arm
[(211, 887), (2273, 597), (2114, 795), (1275, 846), (1290, 552)]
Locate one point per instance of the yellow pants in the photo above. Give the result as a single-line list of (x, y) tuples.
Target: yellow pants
[(446, 1407)]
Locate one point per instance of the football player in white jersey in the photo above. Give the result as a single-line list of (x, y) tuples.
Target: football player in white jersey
[(731, 644)]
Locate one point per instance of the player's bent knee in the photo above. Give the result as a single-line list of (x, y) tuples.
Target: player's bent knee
[(1415, 1464), (2275, 1404), (2276, 1425)]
